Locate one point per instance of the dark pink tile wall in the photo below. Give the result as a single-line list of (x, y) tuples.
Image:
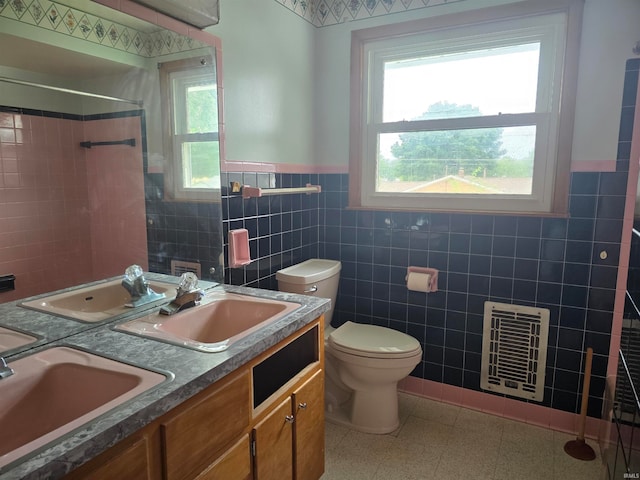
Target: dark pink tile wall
[(44, 234), (54, 203), (116, 197)]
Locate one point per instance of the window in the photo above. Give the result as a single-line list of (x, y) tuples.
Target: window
[(466, 112), (190, 124)]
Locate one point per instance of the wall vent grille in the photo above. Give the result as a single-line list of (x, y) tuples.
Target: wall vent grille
[(514, 350), (178, 267)]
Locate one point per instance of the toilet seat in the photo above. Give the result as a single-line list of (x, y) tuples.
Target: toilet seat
[(372, 341)]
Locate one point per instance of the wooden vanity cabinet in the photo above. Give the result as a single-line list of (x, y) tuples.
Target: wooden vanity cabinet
[(263, 421)]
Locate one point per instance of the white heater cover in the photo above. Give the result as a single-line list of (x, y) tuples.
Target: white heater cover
[(514, 350), (199, 13)]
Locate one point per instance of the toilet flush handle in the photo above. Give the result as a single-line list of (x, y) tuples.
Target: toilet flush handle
[(313, 289)]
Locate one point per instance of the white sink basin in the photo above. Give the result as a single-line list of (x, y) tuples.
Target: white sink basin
[(213, 326), (96, 302), (56, 390)]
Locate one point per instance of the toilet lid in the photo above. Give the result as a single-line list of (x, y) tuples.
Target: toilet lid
[(373, 341)]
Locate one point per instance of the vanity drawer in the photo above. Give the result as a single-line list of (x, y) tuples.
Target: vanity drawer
[(196, 435)]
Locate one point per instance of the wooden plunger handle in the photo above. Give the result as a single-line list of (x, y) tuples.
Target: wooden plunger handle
[(585, 392)]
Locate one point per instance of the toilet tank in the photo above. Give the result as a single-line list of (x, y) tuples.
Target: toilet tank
[(316, 277)]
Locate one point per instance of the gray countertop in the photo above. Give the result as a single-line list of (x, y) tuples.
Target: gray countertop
[(189, 372)]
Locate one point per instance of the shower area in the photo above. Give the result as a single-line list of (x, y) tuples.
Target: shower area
[(73, 212), (619, 435), (622, 405)]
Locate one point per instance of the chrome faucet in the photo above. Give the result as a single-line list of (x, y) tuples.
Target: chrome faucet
[(187, 295), (5, 370), (138, 287)]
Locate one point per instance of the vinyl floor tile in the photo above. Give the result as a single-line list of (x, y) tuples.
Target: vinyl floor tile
[(436, 441)]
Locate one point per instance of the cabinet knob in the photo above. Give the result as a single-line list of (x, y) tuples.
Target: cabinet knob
[(302, 405), (289, 418)]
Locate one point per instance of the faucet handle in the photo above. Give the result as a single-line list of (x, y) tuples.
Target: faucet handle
[(188, 282), (132, 272)]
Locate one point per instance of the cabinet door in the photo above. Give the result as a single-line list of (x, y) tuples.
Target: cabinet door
[(308, 404), (273, 439)]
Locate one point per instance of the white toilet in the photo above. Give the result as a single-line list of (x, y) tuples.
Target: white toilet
[(363, 363)]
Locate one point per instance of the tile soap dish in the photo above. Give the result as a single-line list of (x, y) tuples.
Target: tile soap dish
[(239, 248)]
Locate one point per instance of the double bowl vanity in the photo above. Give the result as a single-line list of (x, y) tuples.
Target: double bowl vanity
[(229, 388)]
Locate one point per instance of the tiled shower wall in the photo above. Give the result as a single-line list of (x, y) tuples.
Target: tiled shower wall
[(55, 198), (69, 215), (41, 240), (553, 263), (116, 195)]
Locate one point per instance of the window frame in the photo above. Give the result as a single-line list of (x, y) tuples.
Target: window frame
[(173, 162), (550, 196)]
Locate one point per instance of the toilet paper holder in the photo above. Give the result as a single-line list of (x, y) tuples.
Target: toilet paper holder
[(422, 279)]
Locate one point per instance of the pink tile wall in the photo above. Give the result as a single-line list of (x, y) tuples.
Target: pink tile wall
[(59, 224), (116, 197), (44, 233)]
